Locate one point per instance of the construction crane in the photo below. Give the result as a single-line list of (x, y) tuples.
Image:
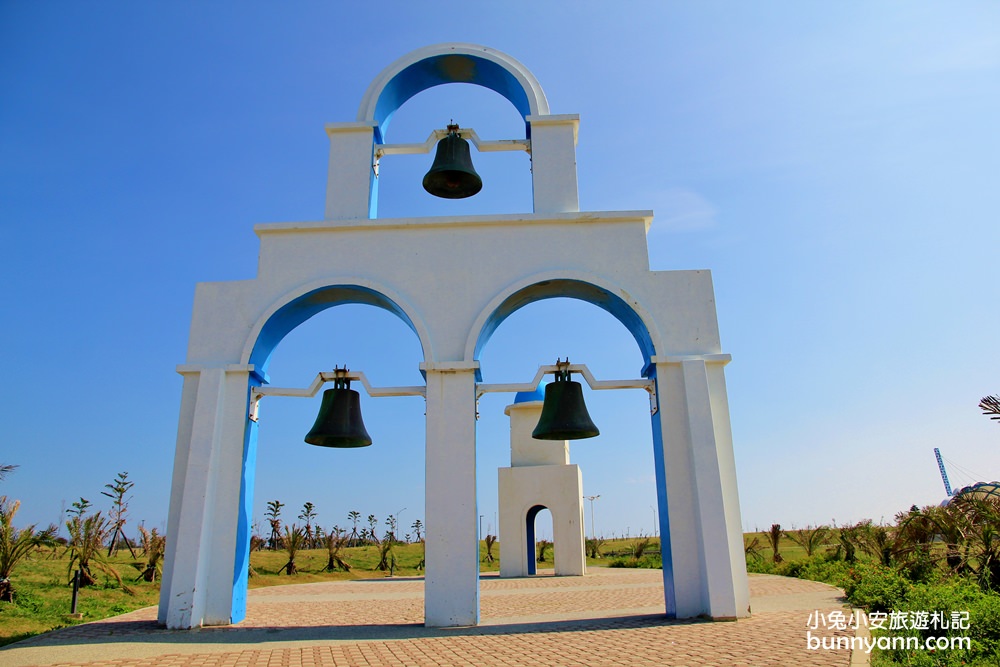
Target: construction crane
[(944, 473)]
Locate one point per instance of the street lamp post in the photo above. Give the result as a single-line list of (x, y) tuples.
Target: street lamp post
[(399, 524), (593, 533)]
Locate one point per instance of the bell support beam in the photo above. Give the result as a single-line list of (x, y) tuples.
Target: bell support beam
[(648, 385), (322, 378), (469, 134)]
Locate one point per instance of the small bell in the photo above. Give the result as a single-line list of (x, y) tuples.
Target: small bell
[(452, 175), (339, 421), (564, 414)]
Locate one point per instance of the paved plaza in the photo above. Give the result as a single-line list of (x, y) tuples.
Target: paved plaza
[(608, 617)]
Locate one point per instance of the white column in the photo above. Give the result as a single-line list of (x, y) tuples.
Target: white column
[(451, 582), (350, 180), (704, 516), (197, 588), (553, 163)]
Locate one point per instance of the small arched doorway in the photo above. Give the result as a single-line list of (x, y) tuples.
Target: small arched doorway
[(531, 540)]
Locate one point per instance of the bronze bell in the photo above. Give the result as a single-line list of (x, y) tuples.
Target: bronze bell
[(452, 175), (564, 414), (339, 421)]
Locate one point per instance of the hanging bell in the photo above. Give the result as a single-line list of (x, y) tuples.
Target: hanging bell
[(452, 175), (564, 414), (339, 421)]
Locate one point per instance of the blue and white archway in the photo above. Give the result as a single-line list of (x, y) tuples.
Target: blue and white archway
[(432, 273)]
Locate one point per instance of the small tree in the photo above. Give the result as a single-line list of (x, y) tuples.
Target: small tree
[(354, 539), (418, 528), (116, 491), (390, 522), (774, 538), (15, 545), (272, 515), (308, 514), (372, 522), (490, 541), (80, 507)]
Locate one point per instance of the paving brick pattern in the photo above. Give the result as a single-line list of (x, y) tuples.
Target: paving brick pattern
[(609, 617)]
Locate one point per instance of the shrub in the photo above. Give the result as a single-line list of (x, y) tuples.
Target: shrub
[(651, 561), (952, 596), (875, 587)]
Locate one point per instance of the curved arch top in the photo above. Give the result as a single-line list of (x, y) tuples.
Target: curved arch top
[(294, 309), (571, 284), (450, 63)]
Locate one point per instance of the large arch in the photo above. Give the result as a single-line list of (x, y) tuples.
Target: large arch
[(297, 306), (639, 323), (572, 284), (449, 63), (284, 315)]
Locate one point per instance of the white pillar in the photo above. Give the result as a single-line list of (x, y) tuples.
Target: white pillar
[(553, 163), (709, 570), (350, 180), (451, 581), (197, 586)]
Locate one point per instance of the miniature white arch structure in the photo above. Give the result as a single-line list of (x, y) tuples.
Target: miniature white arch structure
[(427, 272), (540, 476)]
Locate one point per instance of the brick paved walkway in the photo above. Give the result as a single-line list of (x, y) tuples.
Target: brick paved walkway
[(609, 617)]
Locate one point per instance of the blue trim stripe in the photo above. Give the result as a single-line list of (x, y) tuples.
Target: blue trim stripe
[(666, 554), (244, 519)]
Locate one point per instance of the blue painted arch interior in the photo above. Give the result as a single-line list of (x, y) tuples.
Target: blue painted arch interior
[(447, 68), (573, 289), (300, 309)]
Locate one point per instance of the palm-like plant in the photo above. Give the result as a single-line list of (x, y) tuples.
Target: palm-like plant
[(594, 545), (809, 538), (15, 545), (491, 540), (639, 546), (334, 541), (153, 546), (990, 405), (878, 541), (6, 469), (87, 537), (293, 540), (543, 547)]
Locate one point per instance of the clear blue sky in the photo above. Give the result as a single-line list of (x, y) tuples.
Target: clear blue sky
[(835, 165)]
